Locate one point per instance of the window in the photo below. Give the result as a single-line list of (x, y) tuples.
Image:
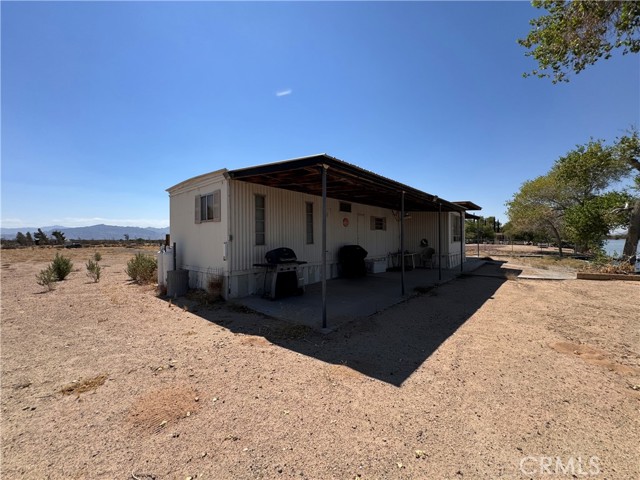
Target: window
[(378, 223), (309, 220), (260, 219), (345, 207), (208, 207), (455, 228)]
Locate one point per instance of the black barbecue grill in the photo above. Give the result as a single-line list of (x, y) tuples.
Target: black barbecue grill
[(352, 261), (282, 268)]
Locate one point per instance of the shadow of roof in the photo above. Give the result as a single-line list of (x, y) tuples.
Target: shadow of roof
[(387, 346)]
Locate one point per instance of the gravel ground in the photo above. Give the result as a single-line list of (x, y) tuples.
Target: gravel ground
[(489, 376)]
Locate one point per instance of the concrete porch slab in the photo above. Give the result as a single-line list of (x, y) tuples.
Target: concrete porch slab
[(349, 299)]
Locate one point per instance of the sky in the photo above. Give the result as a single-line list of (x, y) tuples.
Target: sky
[(106, 105)]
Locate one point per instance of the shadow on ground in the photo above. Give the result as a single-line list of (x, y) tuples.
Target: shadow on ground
[(388, 346)]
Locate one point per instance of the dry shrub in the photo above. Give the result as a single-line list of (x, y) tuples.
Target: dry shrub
[(93, 270), (47, 278), (142, 268), (61, 266), (604, 264)]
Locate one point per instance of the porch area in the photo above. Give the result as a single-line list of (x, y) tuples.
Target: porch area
[(351, 298)]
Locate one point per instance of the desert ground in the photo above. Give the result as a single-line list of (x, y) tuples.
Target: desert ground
[(487, 376)]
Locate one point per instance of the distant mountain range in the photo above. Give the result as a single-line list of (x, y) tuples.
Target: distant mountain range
[(94, 232)]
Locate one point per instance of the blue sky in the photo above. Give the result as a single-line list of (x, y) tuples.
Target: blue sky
[(105, 105)]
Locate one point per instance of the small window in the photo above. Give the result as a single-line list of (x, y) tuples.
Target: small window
[(345, 207), (455, 229), (260, 219), (378, 223), (309, 221), (208, 207)]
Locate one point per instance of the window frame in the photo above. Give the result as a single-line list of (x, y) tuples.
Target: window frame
[(456, 225), (212, 211), (308, 209), (345, 207), (260, 237), (378, 223)]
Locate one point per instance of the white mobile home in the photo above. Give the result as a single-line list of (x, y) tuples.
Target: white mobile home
[(224, 222)]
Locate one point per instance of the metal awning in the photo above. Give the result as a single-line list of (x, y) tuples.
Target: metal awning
[(329, 177), (345, 182)]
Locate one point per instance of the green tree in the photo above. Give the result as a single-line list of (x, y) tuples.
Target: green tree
[(59, 236), (538, 208), (485, 228), (29, 238), (573, 201), (591, 221), (21, 239), (41, 238), (575, 34)]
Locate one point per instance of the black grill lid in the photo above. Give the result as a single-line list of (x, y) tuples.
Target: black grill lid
[(281, 255)]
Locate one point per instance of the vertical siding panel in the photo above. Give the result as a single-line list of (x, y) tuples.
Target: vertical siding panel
[(286, 227)]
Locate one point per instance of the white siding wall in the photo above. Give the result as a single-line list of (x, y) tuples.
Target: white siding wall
[(200, 247), (286, 227)]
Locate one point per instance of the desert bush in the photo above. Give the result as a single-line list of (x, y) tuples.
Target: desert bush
[(142, 268), (97, 256), (47, 278), (93, 270), (61, 266)]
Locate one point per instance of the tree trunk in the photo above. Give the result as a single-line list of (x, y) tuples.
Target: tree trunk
[(631, 244), (556, 233)]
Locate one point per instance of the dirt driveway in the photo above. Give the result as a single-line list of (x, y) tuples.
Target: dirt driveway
[(489, 376)]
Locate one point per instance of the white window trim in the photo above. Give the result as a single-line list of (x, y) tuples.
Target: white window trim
[(216, 199)]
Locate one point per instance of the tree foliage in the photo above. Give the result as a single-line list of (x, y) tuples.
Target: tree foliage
[(573, 201), (59, 236), (575, 34), (41, 238), (485, 228), (628, 150), (21, 239), (538, 208)]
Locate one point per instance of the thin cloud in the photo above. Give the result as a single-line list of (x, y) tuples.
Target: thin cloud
[(283, 93)]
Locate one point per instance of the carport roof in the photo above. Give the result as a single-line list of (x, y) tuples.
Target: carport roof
[(345, 182)]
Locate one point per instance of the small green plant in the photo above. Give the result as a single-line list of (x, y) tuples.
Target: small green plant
[(93, 270), (47, 278), (142, 268), (97, 256), (61, 266)]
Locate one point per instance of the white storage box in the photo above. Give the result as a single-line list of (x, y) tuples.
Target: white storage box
[(376, 265)]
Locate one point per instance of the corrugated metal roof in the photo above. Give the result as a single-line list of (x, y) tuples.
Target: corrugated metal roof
[(345, 181)]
